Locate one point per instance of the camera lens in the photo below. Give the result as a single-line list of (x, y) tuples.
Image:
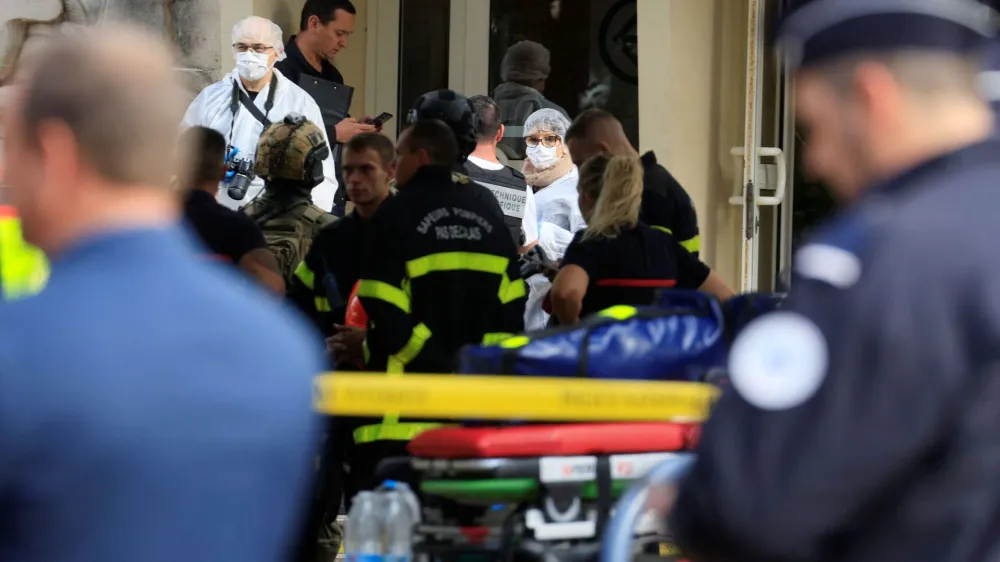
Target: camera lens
[(238, 187)]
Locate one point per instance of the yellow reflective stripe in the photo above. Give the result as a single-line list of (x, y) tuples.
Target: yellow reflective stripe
[(619, 312), (510, 291), (456, 261), (496, 337), (384, 292), (391, 431), (322, 304), (399, 360), (693, 245), (23, 268), (365, 352), (515, 342), (306, 275)]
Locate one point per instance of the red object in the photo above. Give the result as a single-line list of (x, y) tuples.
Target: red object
[(475, 535), (638, 283), (553, 440), (356, 315)]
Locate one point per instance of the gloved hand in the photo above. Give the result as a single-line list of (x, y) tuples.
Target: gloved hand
[(535, 261)]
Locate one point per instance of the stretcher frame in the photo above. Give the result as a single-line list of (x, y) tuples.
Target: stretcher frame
[(503, 398)]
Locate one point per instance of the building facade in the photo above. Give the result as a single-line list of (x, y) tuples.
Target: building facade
[(689, 79)]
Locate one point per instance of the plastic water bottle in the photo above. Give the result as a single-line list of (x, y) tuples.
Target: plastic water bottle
[(398, 518), (363, 532)]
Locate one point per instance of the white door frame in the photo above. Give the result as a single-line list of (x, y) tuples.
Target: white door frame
[(382, 57)]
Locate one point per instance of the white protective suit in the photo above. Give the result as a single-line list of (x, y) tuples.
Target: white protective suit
[(559, 218), (212, 109)]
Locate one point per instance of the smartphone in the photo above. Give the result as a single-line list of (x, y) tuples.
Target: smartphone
[(381, 119)]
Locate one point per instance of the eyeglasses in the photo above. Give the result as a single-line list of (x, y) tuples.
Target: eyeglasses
[(255, 47), (547, 141)]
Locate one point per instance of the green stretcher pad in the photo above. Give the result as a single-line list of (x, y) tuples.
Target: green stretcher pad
[(504, 490)]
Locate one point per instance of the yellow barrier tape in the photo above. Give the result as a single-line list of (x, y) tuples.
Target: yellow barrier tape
[(510, 398)]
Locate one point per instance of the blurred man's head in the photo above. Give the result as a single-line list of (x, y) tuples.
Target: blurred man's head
[(424, 143), (90, 136), (257, 45), (865, 117), (203, 155), (594, 132), (326, 26), (367, 167), (491, 128)]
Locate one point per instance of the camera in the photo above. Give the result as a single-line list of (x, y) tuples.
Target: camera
[(239, 174)]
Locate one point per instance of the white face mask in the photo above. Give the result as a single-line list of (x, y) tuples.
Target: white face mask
[(542, 157), (252, 66)]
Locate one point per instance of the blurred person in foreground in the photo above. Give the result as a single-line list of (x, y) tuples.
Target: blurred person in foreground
[(152, 434), (230, 236), (251, 97), (861, 423), (290, 158)]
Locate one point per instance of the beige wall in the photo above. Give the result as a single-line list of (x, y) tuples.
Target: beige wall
[(691, 106)]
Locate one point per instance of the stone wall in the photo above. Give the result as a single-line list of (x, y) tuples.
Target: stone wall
[(193, 26)]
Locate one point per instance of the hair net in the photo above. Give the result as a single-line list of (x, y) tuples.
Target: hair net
[(525, 61), (547, 120), (260, 30)]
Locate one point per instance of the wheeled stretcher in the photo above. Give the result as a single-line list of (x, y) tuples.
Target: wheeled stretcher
[(535, 492)]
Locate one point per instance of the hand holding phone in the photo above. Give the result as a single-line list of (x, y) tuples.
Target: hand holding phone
[(381, 119)]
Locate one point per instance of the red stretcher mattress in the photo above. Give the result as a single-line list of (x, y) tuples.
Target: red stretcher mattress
[(553, 440)]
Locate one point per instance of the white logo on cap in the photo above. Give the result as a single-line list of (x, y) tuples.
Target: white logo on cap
[(779, 361)]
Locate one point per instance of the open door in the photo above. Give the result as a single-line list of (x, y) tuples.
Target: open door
[(769, 135)]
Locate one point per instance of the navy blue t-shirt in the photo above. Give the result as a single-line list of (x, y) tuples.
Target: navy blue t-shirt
[(152, 408)]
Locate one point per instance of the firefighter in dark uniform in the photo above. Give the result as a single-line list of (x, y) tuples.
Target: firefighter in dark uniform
[(507, 184), (862, 421), (443, 274), (456, 111)]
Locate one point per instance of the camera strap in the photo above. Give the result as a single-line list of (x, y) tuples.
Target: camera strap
[(240, 97)]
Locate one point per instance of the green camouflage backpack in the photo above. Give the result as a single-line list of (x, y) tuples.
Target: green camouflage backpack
[(290, 233)]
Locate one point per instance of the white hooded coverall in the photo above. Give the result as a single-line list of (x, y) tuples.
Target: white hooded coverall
[(212, 109)]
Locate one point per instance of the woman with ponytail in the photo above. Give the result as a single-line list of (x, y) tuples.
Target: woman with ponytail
[(616, 259)]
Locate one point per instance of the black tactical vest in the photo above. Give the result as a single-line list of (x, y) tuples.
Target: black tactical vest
[(511, 191)]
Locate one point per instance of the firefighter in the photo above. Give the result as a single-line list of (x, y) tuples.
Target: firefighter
[(442, 274)]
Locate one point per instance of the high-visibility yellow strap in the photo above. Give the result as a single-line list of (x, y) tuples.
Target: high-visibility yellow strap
[(365, 352), (456, 261), (508, 398), (23, 268), (619, 312), (495, 338), (382, 291), (306, 275), (399, 360), (510, 290), (515, 342), (693, 245), (391, 431), (322, 304)]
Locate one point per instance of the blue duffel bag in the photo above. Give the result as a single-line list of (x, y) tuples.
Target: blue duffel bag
[(682, 340)]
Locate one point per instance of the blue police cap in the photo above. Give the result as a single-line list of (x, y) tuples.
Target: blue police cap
[(818, 30)]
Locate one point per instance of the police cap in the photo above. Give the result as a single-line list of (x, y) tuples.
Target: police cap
[(818, 30), (456, 111), (292, 149)]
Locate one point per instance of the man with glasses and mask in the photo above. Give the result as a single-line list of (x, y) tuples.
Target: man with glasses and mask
[(246, 101)]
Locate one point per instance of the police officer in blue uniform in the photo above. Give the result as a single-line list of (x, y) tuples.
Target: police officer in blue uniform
[(862, 422)]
